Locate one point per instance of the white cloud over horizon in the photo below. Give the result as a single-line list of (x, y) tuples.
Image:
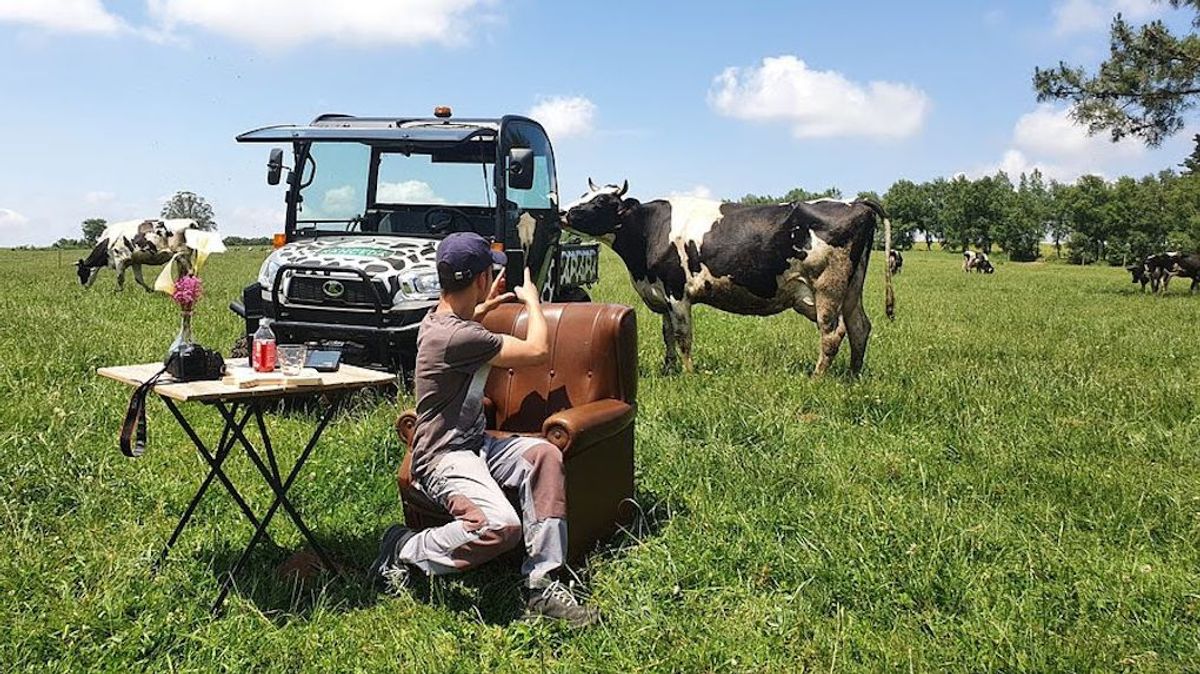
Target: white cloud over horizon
[(408, 192), (1049, 140), (282, 24), (565, 116), (1081, 16), (267, 24), (698, 191), (818, 103), (66, 16)]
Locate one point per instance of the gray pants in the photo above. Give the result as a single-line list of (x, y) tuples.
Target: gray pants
[(469, 486)]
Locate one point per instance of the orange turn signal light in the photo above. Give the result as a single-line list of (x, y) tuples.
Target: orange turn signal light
[(278, 240)]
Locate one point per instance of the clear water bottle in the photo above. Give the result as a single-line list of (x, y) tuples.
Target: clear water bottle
[(263, 351)]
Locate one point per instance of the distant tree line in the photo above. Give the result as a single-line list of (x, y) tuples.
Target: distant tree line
[(1093, 219)]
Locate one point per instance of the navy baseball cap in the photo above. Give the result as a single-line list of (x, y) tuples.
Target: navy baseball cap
[(462, 255)]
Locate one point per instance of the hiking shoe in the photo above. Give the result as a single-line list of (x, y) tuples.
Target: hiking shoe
[(387, 572), (556, 601)]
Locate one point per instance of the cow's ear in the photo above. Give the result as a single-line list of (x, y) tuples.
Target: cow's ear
[(628, 206)]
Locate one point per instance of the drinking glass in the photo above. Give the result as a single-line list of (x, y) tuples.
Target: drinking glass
[(291, 358)]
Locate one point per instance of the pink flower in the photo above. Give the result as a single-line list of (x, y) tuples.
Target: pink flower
[(188, 290)]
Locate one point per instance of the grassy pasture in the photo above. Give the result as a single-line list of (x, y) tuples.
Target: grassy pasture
[(1013, 485)]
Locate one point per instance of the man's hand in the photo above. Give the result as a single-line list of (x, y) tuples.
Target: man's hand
[(527, 292), (535, 348), (495, 297)]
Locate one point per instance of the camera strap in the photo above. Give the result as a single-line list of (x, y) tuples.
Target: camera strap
[(133, 428)]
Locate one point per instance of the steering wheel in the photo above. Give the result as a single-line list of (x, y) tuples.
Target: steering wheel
[(442, 220)]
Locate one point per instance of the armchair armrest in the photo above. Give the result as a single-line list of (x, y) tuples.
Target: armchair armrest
[(406, 425), (574, 430)]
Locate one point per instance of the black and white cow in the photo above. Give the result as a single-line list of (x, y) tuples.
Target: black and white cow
[(754, 260), (1158, 269), (895, 261), (977, 261), (134, 243)]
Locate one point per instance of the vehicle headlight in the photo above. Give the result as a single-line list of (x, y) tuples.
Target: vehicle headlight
[(419, 286), (266, 273)]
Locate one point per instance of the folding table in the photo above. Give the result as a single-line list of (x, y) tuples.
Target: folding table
[(236, 406)]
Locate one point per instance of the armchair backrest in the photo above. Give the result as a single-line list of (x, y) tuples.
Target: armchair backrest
[(593, 356)]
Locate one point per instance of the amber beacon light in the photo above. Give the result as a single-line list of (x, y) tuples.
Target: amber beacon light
[(442, 111)]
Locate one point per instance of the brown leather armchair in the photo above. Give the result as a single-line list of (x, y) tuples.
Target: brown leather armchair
[(583, 400)]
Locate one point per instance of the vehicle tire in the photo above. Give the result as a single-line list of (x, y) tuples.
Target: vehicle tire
[(572, 294)]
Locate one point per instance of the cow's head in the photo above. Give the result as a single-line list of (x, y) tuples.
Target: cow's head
[(986, 267), (1139, 273), (600, 210)]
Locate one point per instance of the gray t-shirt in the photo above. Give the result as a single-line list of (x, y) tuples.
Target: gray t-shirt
[(452, 367)]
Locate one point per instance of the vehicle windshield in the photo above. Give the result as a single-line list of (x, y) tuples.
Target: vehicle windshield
[(420, 193)]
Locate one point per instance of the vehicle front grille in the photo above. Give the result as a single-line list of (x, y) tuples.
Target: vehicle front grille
[(311, 290)]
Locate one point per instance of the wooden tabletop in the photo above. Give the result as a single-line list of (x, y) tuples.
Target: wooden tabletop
[(347, 377)]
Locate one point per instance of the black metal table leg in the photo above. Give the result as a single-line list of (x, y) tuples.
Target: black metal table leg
[(223, 448), (220, 474), (269, 474), (280, 498)]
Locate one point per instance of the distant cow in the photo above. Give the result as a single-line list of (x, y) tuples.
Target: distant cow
[(754, 260), (1158, 269), (134, 243), (977, 261), (895, 261), (1141, 274)]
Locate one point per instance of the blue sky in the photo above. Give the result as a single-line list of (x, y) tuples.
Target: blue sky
[(109, 106)]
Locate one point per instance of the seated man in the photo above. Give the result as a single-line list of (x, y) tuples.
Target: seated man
[(456, 464)]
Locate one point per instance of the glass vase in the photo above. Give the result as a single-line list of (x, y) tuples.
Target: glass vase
[(185, 334)]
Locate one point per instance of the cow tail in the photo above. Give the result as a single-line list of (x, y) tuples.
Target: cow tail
[(889, 300)]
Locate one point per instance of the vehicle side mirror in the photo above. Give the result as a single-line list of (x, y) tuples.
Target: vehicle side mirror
[(520, 168), (274, 166)]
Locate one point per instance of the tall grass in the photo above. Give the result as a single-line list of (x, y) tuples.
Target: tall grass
[(1012, 485)]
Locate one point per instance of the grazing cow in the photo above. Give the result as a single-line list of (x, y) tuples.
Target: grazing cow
[(1141, 274), (1158, 270), (973, 261), (134, 243), (752, 260), (895, 261)]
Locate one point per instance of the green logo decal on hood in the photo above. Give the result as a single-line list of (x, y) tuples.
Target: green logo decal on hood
[(353, 250)]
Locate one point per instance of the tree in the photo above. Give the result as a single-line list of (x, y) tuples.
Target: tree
[(92, 227), (1089, 216), (1020, 233), (190, 205), (910, 208), (1058, 226), (1150, 80), (793, 195)]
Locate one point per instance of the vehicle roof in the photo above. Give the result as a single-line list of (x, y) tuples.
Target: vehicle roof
[(348, 128)]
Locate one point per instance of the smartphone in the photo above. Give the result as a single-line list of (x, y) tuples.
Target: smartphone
[(323, 360)]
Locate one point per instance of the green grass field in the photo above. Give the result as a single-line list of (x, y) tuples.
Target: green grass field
[(1012, 485)]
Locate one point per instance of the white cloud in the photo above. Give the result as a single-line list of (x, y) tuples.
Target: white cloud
[(99, 197), (252, 221), (565, 116), (11, 218), (67, 16), (818, 103), (698, 191), (279, 24), (407, 192), (339, 200), (1079, 16), (1049, 140)]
